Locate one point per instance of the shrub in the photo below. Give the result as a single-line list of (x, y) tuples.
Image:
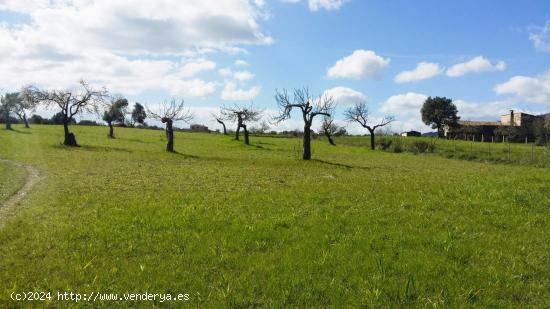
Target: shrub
[(398, 146), (383, 144), (431, 146), (420, 147)]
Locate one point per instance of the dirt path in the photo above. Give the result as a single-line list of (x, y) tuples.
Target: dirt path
[(33, 177)]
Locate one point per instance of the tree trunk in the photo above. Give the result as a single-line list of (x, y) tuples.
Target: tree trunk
[(246, 140), (307, 142), (8, 123), (169, 136), (223, 124), (330, 140), (70, 139), (111, 131), (372, 143), (237, 132), (26, 121)]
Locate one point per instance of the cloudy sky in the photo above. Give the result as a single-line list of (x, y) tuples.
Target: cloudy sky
[(488, 56)]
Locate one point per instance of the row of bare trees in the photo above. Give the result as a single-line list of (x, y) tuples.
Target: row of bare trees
[(323, 105), (88, 99)]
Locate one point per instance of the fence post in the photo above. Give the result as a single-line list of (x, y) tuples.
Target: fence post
[(509, 149), (454, 147)]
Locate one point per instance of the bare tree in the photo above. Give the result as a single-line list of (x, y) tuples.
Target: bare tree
[(310, 107), (242, 115), (219, 118), (71, 103), (168, 113), (329, 129), (360, 114), (264, 126), (115, 112)]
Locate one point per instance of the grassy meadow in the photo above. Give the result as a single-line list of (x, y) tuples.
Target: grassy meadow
[(11, 179), (249, 226)]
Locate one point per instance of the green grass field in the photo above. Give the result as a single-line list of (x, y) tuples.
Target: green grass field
[(11, 179), (248, 226)]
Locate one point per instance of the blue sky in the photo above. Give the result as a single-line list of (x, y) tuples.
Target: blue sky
[(488, 56)]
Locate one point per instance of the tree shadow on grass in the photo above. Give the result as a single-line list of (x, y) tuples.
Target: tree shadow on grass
[(265, 143), (103, 148), (19, 131), (135, 140), (187, 156), (256, 146), (341, 164), (92, 148)]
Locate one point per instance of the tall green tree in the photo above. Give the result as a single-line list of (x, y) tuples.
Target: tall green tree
[(24, 106), (138, 114), (8, 105), (115, 112), (438, 112)]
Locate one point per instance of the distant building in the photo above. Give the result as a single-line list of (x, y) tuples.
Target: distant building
[(411, 133), (199, 128), (486, 130)]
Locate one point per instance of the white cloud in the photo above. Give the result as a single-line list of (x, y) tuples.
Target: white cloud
[(345, 96), (170, 27), (404, 104), (530, 89), (424, 70), (541, 38), (360, 64), (231, 93), (241, 63), (243, 76), (329, 5), (127, 46), (484, 110), (476, 65), (196, 66), (240, 76), (23, 6), (225, 72), (316, 5)]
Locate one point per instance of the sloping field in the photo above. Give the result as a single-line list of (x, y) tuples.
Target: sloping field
[(244, 226)]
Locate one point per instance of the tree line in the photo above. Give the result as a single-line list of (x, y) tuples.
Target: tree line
[(114, 108)]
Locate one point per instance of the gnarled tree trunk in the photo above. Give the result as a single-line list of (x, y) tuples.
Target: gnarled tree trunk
[(239, 125), (246, 139), (223, 124), (307, 142), (70, 139), (169, 134), (8, 122), (329, 137), (372, 142), (111, 131), (25, 121)]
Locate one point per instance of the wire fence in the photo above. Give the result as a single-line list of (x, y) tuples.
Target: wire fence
[(482, 149)]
